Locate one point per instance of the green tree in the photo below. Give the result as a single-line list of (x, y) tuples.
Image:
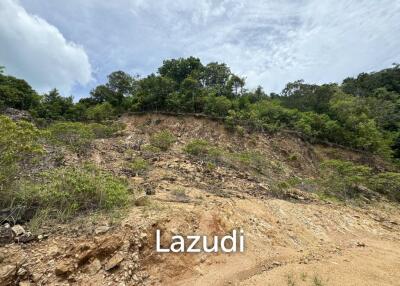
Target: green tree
[(119, 86), (17, 93), (180, 69), (53, 106)]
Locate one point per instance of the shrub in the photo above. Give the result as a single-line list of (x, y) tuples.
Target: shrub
[(253, 159), (217, 105), (69, 190), (105, 131), (74, 135), (197, 147), (19, 146), (100, 112), (163, 140), (203, 149), (340, 177), (387, 183), (150, 148), (138, 166)]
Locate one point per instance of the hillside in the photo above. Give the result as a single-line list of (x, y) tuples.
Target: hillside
[(193, 175)]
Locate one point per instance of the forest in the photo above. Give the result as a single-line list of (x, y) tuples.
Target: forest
[(362, 112)]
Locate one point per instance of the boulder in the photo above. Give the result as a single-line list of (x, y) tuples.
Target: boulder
[(18, 230), (114, 261)]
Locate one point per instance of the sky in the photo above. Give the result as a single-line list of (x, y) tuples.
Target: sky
[(73, 45)]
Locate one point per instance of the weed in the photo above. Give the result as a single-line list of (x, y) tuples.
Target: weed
[(290, 280), (317, 281)]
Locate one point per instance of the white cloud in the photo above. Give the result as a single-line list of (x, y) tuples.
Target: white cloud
[(33, 49), (271, 42)]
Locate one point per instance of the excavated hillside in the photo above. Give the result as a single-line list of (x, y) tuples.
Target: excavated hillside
[(292, 237)]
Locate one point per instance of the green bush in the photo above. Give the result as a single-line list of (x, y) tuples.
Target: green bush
[(147, 148), (387, 183), (340, 177), (78, 136), (203, 149), (197, 147), (100, 112), (70, 190), (74, 135), (253, 159), (19, 147), (105, 131), (138, 166), (163, 140), (217, 105)]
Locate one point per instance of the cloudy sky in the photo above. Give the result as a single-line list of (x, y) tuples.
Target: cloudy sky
[(74, 44)]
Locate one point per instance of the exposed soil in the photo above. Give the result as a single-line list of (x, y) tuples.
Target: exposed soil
[(291, 239)]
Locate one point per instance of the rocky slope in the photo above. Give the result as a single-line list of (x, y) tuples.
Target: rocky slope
[(292, 237)]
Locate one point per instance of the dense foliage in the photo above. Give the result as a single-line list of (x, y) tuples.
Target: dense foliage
[(362, 112)]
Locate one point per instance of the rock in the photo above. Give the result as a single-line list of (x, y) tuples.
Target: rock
[(360, 244), (18, 230), (150, 192), (53, 251), (114, 261), (101, 229), (22, 272), (36, 277), (24, 283), (94, 267), (7, 274), (16, 114), (276, 263), (63, 268)]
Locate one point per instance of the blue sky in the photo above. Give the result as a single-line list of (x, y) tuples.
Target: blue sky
[(74, 44)]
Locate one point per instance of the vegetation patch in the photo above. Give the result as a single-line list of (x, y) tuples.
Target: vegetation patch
[(202, 149), (74, 135), (138, 166), (162, 140), (346, 180), (20, 147), (78, 136), (67, 191)]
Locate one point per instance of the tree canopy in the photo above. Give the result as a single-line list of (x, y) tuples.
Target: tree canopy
[(362, 112)]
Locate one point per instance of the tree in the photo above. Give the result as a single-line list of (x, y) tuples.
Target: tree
[(236, 83), (53, 106), (152, 92), (308, 97), (119, 85), (215, 77), (179, 69), (17, 93)]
